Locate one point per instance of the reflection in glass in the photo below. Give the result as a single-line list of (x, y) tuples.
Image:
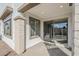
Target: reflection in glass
[(7, 28), (34, 27), (56, 30)]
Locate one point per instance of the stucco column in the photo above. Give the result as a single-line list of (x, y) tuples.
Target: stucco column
[(41, 30), (70, 31), (76, 30), (19, 35)]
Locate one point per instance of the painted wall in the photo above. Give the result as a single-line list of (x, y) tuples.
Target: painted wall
[(76, 29), (31, 41), (9, 41), (70, 31)]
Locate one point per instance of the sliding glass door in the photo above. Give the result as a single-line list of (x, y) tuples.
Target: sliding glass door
[(56, 30), (60, 31)]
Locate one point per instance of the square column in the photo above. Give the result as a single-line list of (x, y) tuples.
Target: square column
[(19, 36), (76, 30)]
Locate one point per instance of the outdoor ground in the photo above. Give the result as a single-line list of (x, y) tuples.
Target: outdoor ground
[(5, 50), (41, 49)]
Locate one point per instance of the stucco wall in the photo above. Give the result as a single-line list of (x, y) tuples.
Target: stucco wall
[(9, 41), (70, 31), (76, 29), (31, 41)]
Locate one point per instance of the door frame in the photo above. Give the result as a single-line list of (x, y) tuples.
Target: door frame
[(55, 20)]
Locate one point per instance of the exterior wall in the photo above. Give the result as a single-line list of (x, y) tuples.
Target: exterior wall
[(76, 30), (70, 31), (9, 41), (12, 41), (19, 31), (31, 42)]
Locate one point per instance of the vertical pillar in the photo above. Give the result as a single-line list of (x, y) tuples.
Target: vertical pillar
[(19, 35), (27, 31), (76, 30), (70, 31), (41, 29)]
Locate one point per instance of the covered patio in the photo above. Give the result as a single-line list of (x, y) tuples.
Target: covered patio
[(41, 49)]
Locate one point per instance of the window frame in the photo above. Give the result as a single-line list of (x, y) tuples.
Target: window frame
[(9, 18), (35, 25)]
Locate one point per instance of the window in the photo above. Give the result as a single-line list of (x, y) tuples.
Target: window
[(35, 27), (7, 28)]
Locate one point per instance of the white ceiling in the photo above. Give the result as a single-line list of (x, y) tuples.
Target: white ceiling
[(49, 10)]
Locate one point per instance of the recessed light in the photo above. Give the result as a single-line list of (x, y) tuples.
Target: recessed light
[(61, 6)]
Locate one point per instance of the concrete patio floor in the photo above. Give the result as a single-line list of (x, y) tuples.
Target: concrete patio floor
[(54, 50), (40, 49), (37, 50)]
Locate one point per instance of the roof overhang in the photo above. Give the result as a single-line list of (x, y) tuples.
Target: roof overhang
[(26, 7), (6, 12)]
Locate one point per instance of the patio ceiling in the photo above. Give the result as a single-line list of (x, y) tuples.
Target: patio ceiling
[(50, 10), (7, 11), (27, 6)]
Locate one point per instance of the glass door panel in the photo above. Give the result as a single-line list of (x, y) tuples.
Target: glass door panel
[(60, 31), (56, 30)]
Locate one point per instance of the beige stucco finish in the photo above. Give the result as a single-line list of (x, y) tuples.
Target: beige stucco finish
[(19, 36)]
